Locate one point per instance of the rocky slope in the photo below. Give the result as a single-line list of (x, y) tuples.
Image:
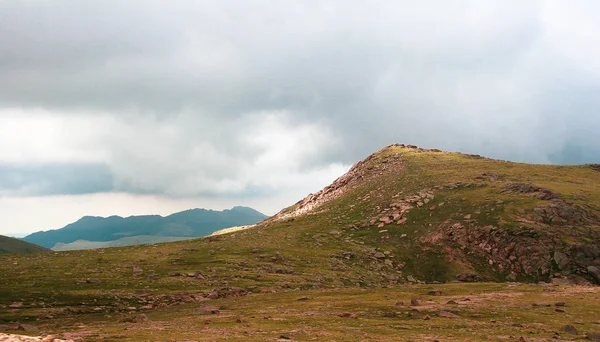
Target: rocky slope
[(516, 228)]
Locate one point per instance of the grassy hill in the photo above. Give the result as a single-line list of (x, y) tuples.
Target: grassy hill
[(10, 245), (345, 263), (188, 223)]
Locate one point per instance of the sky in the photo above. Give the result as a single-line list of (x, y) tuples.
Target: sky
[(152, 107)]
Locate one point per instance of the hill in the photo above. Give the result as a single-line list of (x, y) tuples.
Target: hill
[(189, 223), (410, 245), (10, 245), (122, 242)]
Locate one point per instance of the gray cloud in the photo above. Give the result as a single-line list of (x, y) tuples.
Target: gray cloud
[(53, 179), (190, 87)]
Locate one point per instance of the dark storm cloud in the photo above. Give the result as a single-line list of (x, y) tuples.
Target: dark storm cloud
[(189, 84)]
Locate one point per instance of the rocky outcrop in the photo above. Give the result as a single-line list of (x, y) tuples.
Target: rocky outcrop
[(361, 171), (530, 190)]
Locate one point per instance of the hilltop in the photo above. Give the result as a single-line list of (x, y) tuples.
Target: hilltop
[(10, 245), (96, 232), (410, 244)]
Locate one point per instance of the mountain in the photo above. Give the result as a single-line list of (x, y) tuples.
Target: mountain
[(189, 223), (10, 245), (411, 244)]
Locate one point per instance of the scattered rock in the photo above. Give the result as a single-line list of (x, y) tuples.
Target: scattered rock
[(569, 329), (452, 302), (304, 298), (435, 293), (414, 302), (379, 255), (593, 336), (135, 319), (348, 315), (27, 327), (93, 281), (426, 318), (207, 310), (468, 277), (447, 314)]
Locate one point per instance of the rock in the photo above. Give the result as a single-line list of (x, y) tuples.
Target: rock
[(559, 309), (435, 293), (593, 336), (27, 327), (174, 274), (93, 281), (561, 260), (447, 314), (594, 272), (399, 303), (468, 277), (135, 319), (16, 305), (569, 329), (304, 298), (426, 318), (207, 310), (453, 302), (411, 278), (468, 217), (379, 255), (559, 304), (213, 295), (414, 302), (348, 315)]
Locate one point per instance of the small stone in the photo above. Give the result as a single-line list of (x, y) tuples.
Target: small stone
[(207, 310), (435, 293), (559, 309), (379, 255), (447, 314), (135, 319), (426, 318), (452, 301), (414, 302)]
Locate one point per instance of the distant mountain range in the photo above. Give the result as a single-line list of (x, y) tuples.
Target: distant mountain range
[(181, 225), (12, 245)]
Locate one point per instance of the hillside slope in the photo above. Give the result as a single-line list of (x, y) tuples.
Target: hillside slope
[(189, 223), (399, 222), (10, 245)]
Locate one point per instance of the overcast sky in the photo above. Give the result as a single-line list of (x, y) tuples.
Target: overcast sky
[(139, 107)]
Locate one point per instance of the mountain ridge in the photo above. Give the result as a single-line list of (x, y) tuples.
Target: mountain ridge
[(194, 222)]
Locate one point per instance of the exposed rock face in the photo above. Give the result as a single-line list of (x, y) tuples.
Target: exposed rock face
[(361, 171), (531, 190)]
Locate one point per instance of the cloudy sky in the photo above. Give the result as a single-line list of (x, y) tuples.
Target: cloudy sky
[(138, 107)]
